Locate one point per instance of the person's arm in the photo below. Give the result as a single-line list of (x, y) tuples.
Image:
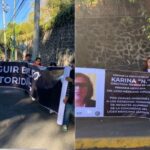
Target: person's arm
[(69, 79), (65, 100), (67, 95)]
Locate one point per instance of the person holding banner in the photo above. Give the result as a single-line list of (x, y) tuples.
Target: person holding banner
[(69, 98), (83, 91), (34, 94), (147, 65), (28, 58), (37, 61)]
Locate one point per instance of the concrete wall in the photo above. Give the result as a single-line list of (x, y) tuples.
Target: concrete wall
[(58, 45), (109, 34)]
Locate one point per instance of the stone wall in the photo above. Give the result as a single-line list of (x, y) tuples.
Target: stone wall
[(58, 45), (106, 38)]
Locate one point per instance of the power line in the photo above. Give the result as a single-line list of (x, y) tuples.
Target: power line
[(10, 15), (19, 8), (17, 11), (17, 3), (25, 13)]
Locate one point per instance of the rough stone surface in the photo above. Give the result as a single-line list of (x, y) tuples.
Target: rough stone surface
[(108, 39), (58, 45)]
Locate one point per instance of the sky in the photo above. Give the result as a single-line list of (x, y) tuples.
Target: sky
[(23, 13)]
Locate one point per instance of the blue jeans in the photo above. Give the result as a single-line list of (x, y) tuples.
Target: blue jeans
[(69, 110)]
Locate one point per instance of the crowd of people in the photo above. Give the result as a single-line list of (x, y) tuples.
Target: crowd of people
[(36, 62)]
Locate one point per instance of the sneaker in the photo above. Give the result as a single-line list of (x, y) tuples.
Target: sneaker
[(64, 127), (33, 99), (51, 111)]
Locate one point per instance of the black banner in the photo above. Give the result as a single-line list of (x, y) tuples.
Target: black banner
[(127, 94), (15, 74), (49, 87), (43, 84)]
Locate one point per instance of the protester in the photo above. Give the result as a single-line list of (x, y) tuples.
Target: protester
[(28, 57), (69, 98), (83, 91), (33, 92), (37, 61), (147, 65)]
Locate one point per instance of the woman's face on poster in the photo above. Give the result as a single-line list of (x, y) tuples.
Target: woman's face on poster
[(81, 90)]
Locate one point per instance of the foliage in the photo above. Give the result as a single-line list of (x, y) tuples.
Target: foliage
[(53, 3), (87, 2), (25, 31), (1, 36), (1, 53), (132, 1), (65, 16), (60, 11)]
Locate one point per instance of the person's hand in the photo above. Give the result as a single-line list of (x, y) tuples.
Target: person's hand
[(65, 100), (69, 79)]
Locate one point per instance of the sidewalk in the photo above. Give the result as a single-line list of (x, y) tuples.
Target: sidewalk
[(109, 133)]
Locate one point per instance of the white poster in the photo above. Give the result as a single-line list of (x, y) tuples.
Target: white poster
[(89, 92), (63, 94)]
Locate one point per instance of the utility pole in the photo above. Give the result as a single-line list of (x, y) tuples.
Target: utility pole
[(4, 10), (14, 34), (36, 39)]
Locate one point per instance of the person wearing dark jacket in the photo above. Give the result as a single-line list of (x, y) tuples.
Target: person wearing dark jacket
[(28, 58)]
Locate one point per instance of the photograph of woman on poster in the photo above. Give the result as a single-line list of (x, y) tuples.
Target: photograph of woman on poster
[(83, 91)]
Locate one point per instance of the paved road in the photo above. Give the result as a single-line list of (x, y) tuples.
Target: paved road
[(25, 124)]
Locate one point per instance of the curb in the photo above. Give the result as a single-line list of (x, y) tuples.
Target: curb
[(120, 142)]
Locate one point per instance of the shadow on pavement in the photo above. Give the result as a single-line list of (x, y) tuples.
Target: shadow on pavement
[(15, 102), (25, 124)]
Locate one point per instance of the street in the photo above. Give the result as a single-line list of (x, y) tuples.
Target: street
[(26, 124)]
